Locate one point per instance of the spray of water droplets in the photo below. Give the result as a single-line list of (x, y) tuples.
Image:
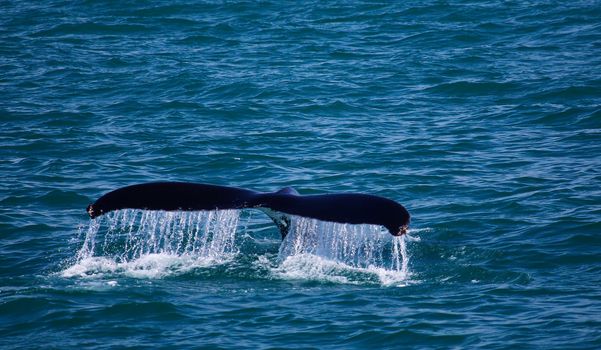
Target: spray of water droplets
[(157, 243), (132, 234), (319, 249)]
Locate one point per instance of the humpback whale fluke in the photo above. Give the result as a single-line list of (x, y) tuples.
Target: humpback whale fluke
[(352, 208)]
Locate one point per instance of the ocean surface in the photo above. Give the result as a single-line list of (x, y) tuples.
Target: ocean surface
[(483, 118)]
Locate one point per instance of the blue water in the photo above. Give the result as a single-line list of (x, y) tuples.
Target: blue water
[(482, 118)]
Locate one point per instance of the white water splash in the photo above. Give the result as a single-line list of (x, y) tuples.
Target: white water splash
[(335, 252), (154, 244), (147, 266)]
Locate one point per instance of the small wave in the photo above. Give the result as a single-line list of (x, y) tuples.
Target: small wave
[(200, 39), (473, 88), (91, 28)]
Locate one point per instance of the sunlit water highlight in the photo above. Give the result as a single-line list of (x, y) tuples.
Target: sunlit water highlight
[(155, 244)]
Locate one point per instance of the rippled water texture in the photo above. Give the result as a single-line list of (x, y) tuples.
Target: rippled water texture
[(482, 118)]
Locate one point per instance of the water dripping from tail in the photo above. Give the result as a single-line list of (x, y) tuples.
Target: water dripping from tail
[(155, 244), (150, 244), (344, 253)]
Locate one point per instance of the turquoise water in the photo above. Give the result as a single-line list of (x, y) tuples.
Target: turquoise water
[(482, 118)]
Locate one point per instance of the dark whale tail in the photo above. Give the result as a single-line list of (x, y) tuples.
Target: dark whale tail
[(349, 208)]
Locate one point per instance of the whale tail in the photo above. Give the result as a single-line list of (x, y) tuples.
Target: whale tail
[(352, 208)]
